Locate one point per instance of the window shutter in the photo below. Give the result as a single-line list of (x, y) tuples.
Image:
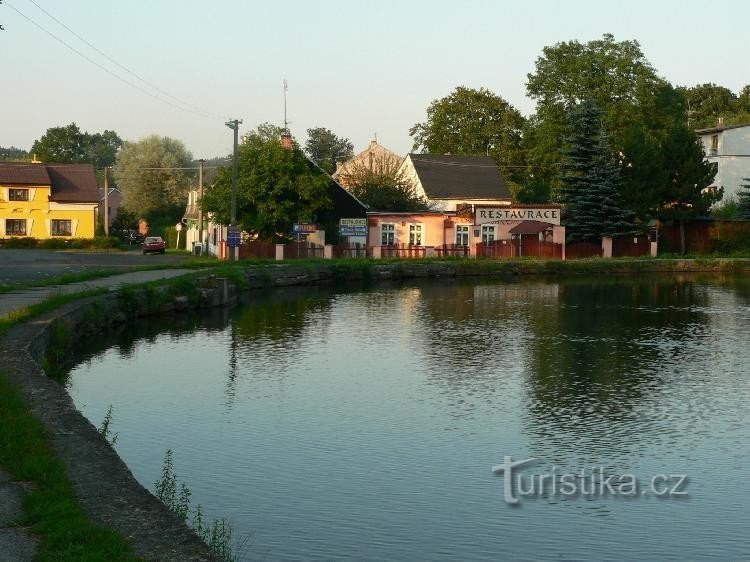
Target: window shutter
[(29, 227), (73, 227), (32, 193), (49, 232)]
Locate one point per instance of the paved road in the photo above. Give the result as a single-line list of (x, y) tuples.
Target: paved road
[(26, 266)]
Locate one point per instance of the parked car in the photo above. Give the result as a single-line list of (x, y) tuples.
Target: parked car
[(131, 237), (153, 245)]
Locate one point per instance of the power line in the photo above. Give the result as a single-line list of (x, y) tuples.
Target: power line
[(126, 69), (108, 71)]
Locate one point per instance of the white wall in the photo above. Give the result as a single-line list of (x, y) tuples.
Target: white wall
[(733, 158)]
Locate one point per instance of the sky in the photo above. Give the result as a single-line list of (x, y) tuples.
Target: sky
[(360, 68)]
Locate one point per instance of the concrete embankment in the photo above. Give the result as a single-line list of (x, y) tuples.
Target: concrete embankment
[(103, 483)]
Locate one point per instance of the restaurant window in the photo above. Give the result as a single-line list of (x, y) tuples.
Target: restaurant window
[(415, 234), (387, 234), (61, 228), (18, 195), (15, 227), (488, 233), (462, 235)]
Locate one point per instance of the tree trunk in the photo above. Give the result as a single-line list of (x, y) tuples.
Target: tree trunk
[(682, 237)]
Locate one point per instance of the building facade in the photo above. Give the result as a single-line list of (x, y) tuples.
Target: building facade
[(48, 200), (728, 146)]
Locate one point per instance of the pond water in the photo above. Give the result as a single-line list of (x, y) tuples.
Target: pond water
[(365, 424)]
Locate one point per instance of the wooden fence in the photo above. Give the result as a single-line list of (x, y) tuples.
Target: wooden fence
[(452, 250), (300, 250), (402, 251)]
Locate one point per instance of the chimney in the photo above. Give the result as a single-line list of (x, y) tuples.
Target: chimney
[(286, 140)]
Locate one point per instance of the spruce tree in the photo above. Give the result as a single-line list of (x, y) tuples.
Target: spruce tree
[(743, 200), (591, 185)]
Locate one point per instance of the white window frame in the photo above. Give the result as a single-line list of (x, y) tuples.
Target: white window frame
[(19, 190), (489, 233), (462, 234), (388, 234), (416, 234)]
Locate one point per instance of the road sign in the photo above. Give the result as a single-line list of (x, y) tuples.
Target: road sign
[(304, 228), (353, 227), (234, 237)]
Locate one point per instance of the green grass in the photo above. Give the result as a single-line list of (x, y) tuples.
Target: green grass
[(51, 508)]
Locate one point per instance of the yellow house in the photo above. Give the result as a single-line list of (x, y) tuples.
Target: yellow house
[(48, 200)]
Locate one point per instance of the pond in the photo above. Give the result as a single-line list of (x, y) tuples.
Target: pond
[(339, 424)]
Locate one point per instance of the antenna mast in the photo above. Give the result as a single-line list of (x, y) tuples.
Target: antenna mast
[(286, 123)]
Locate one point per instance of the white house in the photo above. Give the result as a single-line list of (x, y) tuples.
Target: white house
[(451, 182), (729, 147)]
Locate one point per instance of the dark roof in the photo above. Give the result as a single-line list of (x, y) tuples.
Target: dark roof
[(720, 128), (459, 177), (529, 227), (73, 183), (23, 174)]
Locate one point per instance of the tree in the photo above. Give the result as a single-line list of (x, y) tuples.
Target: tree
[(689, 174), (12, 153), (153, 177), (69, 145), (591, 183), (618, 78), (275, 188), (743, 200), (325, 148), (382, 188), (474, 122)]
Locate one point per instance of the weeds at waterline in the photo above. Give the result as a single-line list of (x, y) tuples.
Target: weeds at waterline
[(176, 496)]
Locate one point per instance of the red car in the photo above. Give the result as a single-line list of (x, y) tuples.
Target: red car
[(153, 245)]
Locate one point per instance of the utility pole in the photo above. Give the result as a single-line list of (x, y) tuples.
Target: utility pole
[(286, 123), (200, 203), (106, 200), (234, 124)]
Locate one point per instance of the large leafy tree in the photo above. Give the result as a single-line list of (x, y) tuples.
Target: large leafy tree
[(276, 187), (618, 78), (707, 103), (474, 122), (325, 148), (70, 145), (154, 175), (591, 189)]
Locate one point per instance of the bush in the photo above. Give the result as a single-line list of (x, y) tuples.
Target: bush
[(99, 243)]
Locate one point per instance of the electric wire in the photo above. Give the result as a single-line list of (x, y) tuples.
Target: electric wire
[(126, 69), (105, 69)]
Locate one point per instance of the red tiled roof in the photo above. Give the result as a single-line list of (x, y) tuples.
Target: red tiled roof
[(12, 173), (529, 227)]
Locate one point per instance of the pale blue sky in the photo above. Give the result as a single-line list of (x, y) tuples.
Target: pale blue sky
[(355, 67)]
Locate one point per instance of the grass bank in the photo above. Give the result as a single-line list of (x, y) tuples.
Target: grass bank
[(50, 508)]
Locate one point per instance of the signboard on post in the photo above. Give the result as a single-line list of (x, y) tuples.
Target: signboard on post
[(304, 228), (353, 227), (234, 237)]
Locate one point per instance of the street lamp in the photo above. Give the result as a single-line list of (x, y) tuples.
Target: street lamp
[(233, 237)]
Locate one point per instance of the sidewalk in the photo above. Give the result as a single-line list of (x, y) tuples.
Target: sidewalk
[(17, 544), (17, 300)]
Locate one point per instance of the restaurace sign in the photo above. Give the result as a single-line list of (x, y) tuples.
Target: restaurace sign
[(549, 215)]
